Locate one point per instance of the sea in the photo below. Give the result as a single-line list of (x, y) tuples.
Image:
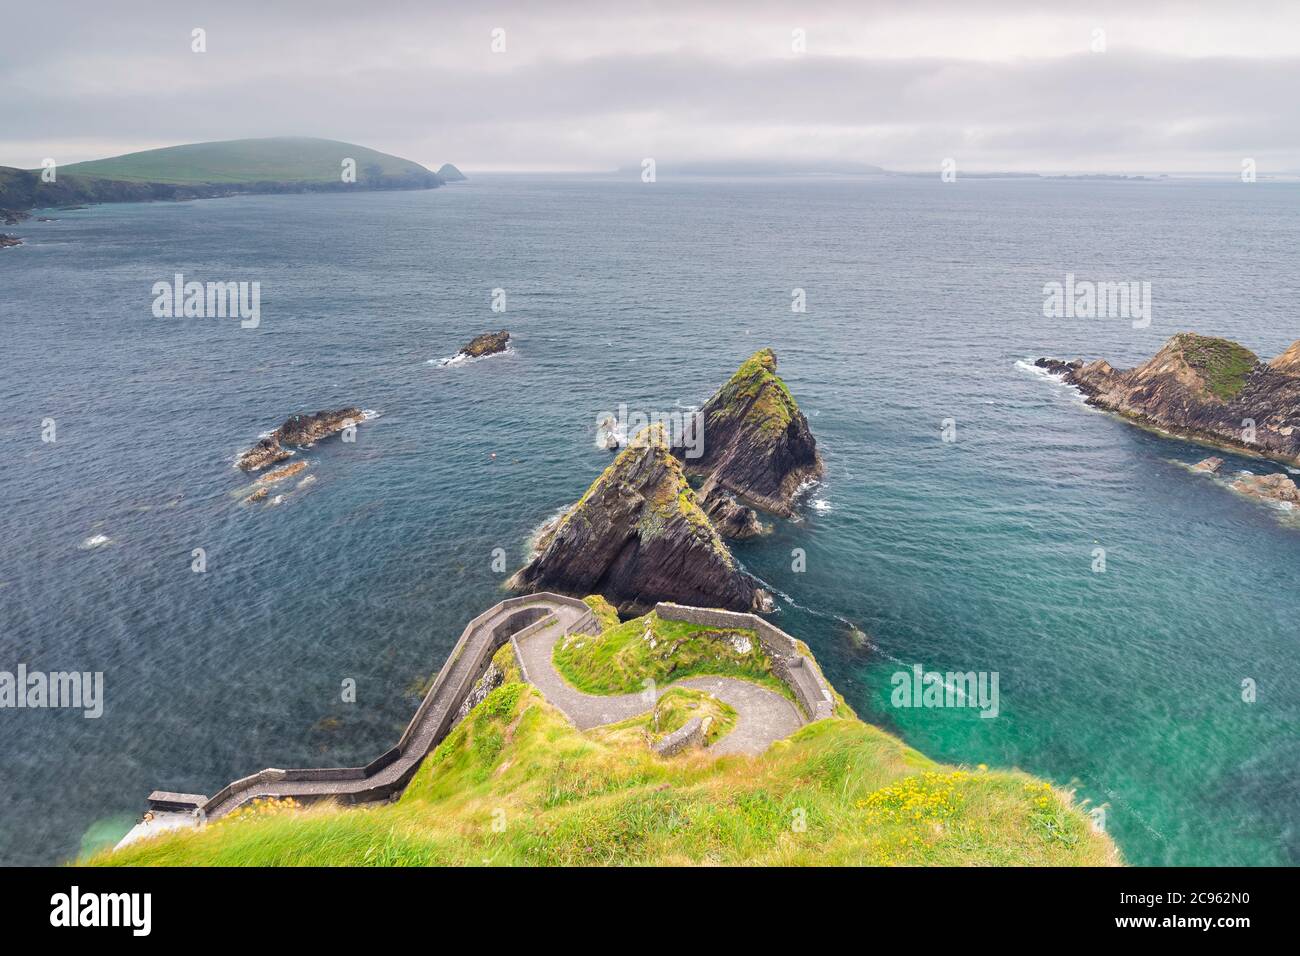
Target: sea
[(975, 515)]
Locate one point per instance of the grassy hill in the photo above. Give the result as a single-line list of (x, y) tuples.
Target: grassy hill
[(516, 784), (209, 170), (281, 159)]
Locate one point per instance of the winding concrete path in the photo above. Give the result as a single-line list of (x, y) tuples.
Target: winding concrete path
[(762, 715)]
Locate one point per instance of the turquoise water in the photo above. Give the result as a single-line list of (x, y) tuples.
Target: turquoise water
[(922, 300)]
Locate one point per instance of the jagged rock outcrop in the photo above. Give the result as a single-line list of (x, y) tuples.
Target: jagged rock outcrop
[(1204, 388), (489, 343), (1276, 488), (757, 446), (731, 518), (297, 430), (638, 536)]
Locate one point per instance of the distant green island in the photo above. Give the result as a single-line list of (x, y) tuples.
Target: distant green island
[(207, 170)]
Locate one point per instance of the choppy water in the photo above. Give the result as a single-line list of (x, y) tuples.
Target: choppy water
[(922, 299)]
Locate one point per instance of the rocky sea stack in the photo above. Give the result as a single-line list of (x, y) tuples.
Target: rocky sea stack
[(1204, 388), (639, 536), (757, 446), (450, 174), (297, 430), (489, 343)]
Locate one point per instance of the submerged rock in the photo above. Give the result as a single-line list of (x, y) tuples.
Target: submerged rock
[(489, 343), (1276, 488), (757, 445), (639, 536), (297, 430), (1206, 388)]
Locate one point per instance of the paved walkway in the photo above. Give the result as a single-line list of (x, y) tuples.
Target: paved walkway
[(762, 715)]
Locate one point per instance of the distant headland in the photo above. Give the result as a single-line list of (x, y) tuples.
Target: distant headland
[(216, 169)]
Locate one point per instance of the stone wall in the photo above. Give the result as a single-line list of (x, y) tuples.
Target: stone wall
[(433, 719), (799, 673)]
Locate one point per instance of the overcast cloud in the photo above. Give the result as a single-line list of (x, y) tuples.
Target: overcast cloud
[(1010, 85)]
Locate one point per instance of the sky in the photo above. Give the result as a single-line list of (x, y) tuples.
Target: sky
[(1139, 86)]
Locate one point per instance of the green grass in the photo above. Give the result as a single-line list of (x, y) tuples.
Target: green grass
[(620, 658), (516, 784), (287, 159), (758, 393), (605, 612), (673, 710), (1223, 364)]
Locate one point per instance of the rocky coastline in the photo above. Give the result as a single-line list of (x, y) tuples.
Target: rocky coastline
[(1202, 388)]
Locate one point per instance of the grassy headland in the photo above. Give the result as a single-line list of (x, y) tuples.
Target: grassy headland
[(516, 784)]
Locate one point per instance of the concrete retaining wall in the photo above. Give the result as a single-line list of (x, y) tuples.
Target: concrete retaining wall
[(799, 674)]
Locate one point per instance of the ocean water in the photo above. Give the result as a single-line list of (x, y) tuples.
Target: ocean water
[(924, 304)]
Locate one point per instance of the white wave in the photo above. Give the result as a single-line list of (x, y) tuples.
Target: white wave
[(95, 541), (610, 435), (821, 506), (533, 536), (1038, 371), (460, 358)]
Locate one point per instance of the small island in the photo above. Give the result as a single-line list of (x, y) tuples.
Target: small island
[(489, 343), (298, 430)]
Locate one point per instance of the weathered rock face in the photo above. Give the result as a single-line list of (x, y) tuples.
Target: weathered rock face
[(639, 536), (297, 430), (757, 444), (731, 518), (489, 343), (1205, 388)]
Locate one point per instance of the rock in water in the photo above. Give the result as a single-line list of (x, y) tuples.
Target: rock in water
[(1205, 388), (756, 442), (1275, 487), (639, 536), (489, 343), (1209, 465), (450, 174), (297, 430), (731, 518), (8, 241)]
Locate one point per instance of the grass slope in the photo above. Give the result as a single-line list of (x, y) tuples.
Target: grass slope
[(279, 159), (516, 784), (619, 659)]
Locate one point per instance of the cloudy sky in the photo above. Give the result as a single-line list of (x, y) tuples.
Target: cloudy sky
[(995, 84)]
